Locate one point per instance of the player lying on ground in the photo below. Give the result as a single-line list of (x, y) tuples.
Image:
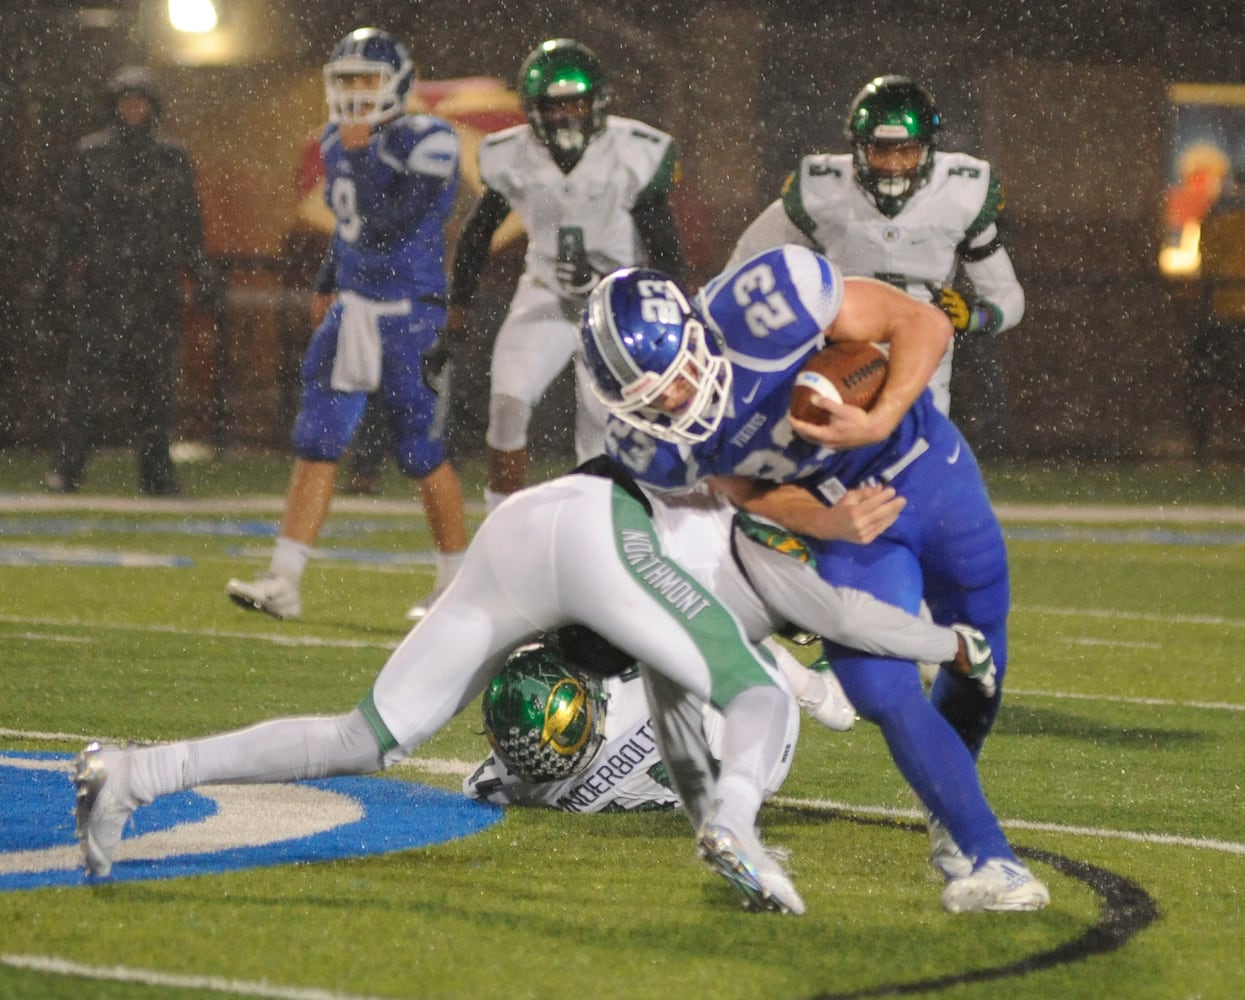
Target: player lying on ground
[(583, 549), (566, 736)]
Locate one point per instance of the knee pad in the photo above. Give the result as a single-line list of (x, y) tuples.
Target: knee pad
[(319, 442), (508, 419), (326, 423), (418, 454)]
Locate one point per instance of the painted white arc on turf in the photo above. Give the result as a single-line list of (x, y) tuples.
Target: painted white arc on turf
[(290, 812)]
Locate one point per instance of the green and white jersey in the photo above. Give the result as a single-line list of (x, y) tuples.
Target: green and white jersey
[(626, 164), (939, 229), (919, 245)]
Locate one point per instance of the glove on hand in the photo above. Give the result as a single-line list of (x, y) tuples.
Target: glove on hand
[(958, 309), (974, 659), (968, 314)]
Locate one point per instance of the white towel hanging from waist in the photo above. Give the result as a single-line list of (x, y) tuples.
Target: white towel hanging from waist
[(356, 368)]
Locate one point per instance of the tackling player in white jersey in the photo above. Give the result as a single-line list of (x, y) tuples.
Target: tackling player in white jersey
[(592, 192), (898, 209), (584, 549)]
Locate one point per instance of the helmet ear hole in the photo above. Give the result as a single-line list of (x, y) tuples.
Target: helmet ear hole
[(544, 716)]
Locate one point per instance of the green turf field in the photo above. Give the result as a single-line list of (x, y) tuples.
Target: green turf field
[(1117, 766)]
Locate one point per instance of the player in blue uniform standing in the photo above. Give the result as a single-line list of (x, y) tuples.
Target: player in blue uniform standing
[(702, 392), (391, 182)]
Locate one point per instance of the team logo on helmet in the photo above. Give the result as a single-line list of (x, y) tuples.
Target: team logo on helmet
[(543, 716)]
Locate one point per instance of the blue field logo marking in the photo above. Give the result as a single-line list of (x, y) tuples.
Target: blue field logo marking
[(222, 827)]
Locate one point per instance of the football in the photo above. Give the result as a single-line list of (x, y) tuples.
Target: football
[(850, 372)]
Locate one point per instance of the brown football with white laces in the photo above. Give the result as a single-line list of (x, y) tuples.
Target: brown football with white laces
[(850, 371)]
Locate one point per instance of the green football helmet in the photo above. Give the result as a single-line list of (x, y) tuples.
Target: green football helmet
[(543, 716), (556, 72), (892, 111)]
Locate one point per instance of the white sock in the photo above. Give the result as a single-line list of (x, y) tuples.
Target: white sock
[(493, 499), (289, 559), (753, 738), (737, 801), (448, 565), (158, 770)]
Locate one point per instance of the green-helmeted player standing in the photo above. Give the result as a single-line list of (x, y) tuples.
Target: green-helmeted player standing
[(592, 190), (899, 209)]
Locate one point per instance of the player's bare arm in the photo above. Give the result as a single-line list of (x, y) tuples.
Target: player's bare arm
[(860, 516), (918, 335)]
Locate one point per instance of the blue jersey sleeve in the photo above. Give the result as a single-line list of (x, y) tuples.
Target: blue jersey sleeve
[(402, 175), (772, 310)]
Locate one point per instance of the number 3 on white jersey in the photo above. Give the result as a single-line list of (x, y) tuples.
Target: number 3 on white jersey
[(769, 312)]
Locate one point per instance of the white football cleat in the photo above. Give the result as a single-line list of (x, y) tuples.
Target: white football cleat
[(997, 884), (753, 872), (273, 595), (104, 804), (824, 700)]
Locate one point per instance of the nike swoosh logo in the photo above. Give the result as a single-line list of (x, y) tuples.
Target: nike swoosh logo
[(752, 395), (955, 455)]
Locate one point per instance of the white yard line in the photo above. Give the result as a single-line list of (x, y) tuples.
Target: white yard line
[(1098, 833), (452, 767), (277, 639), (443, 766), (56, 966), (1107, 614), (1069, 513)]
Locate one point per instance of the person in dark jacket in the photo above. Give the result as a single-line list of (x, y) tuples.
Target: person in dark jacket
[(129, 227)]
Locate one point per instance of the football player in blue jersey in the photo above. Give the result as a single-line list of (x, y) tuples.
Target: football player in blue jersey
[(391, 180), (701, 391)]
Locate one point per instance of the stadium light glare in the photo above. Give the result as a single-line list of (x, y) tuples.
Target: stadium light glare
[(196, 17)]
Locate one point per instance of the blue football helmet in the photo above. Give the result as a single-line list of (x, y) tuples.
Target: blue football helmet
[(640, 336), (368, 52)]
